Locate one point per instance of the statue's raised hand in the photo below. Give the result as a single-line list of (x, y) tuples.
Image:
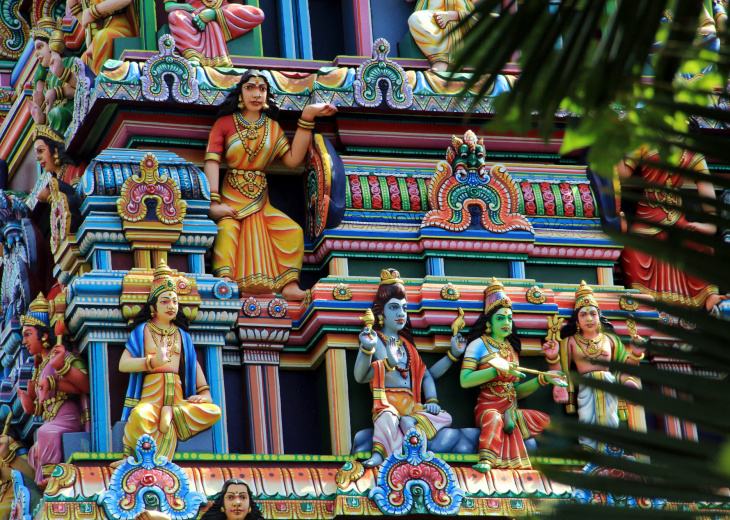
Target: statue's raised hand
[(368, 339), (56, 65), (161, 357), (551, 349), (458, 345), (318, 110), (5, 442), (43, 388), (58, 356)]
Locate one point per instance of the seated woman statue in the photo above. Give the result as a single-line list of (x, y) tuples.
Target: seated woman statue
[(404, 392), (104, 21), (161, 403), (60, 377), (257, 246), (201, 28), (490, 360), (433, 26)]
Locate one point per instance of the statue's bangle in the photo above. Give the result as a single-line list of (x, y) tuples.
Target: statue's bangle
[(215, 197), (552, 361), (95, 12), (65, 368), (543, 380), (76, 9), (43, 106), (51, 383), (306, 125), (635, 357), (202, 388), (65, 75), (59, 92), (451, 356), (148, 362), (37, 410), (367, 352), (630, 379), (387, 365), (432, 400)]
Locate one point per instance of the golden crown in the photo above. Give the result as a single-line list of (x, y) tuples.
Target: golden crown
[(584, 297), (162, 280), (495, 295), (44, 28), (45, 131), (57, 43), (38, 312), (389, 277)]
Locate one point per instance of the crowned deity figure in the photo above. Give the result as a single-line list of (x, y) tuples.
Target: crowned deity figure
[(202, 28), (435, 28), (56, 164), (103, 21), (404, 392), (168, 397), (55, 393), (589, 337), (54, 82), (257, 246), (492, 363)]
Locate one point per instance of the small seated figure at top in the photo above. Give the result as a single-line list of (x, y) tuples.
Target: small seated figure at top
[(492, 363), (431, 26), (159, 402), (201, 28), (398, 377), (104, 21), (257, 246)]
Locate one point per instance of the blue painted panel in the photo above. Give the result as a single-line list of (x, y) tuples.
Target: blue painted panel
[(287, 29), (101, 430), (390, 21), (214, 375), (304, 30), (517, 269), (435, 266)]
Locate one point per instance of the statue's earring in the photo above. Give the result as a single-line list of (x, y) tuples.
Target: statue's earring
[(578, 327), (154, 313), (241, 104), (266, 106), (56, 160), (223, 509), (45, 343), (489, 328), (380, 320)]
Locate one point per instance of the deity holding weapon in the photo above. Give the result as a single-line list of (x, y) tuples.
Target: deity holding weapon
[(492, 363)]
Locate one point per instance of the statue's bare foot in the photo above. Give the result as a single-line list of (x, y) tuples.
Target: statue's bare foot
[(482, 466), (165, 419), (375, 460), (439, 66), (292, 292), (114, 465), (714, 299)]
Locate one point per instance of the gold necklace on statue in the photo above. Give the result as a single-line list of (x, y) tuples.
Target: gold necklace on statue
[(250, 131), (504, 347), (165, 336), (593, 347)]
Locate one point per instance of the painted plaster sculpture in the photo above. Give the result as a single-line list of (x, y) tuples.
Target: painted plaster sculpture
[(588, 337), (201, 28), (51, 155), (257, 246), (432, 26), (103, 21), (59, 377), (464, 181), (55, 81), (492, 363), (168, 397), (662, 280), (404, 392)]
